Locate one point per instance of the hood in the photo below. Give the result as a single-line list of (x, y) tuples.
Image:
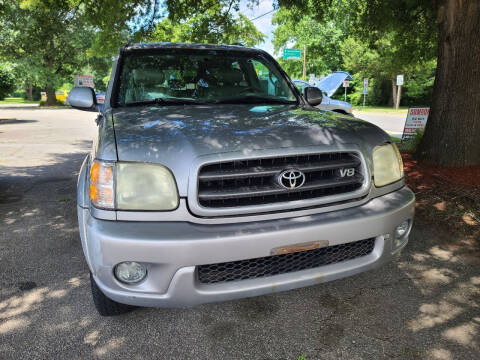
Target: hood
[(174, 135), (332, 82), (340, 103)]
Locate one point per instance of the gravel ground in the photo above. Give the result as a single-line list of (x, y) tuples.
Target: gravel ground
[(425, 305)]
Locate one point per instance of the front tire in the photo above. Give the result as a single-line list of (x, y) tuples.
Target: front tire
[(104, 305)]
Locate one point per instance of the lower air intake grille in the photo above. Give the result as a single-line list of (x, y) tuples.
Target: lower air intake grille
[(281, 264)]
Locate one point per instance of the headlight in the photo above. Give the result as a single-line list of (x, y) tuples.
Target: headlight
[(138, 186), (145, 187), (387, 165)]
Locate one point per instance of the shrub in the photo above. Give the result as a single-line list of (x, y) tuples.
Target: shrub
[(411, 145), (7, 83)]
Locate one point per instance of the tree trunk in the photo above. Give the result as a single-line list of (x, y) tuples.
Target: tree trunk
[(50, 88), (452, 135), (29, 91), (51, 98), (394, 93)]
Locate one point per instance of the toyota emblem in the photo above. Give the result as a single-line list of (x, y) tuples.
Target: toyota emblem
[(291, 179)]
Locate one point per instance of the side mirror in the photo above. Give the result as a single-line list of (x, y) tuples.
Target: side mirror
[(313, 95), (82, 98)]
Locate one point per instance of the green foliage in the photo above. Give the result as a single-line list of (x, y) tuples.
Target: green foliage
[(385, 38), (419, 85), (411, 145), (49, 41), (7, 82), (204, 28), (322, 37)]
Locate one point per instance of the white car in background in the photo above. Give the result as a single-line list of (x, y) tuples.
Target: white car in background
[(328, 86)]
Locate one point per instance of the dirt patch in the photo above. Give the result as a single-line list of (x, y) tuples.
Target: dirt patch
[(449, 198)]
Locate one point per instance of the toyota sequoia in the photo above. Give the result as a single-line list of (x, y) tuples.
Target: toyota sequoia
[(212, 177)]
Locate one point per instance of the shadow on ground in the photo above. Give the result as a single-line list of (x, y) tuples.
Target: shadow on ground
[(424, 306)]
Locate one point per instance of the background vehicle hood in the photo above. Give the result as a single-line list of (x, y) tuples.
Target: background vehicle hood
[(340, 103), (332, 82), (175, 135)]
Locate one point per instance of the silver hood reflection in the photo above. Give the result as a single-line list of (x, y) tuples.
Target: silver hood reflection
[(175, 135)]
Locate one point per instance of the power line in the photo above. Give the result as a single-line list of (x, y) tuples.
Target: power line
[(258, 17)]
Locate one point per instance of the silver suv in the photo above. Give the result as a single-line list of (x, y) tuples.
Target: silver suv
[(213, 178)]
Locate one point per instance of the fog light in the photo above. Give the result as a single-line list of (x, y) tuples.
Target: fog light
[(130, 272), (402, 229)]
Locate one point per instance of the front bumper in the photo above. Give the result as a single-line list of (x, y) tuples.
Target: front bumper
[(172, 250)]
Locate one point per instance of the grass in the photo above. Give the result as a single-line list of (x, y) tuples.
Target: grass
[(395, 139), (17, 100), (401, 110)]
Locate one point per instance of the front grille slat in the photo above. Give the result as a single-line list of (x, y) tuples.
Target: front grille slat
[(281, 264), (253, 191), (261, 171), (254, 181)]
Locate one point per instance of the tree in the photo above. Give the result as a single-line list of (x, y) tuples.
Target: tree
[(53, 36), (420, 27), (453, 128), (321, 38), (48, 36), (207, 28)]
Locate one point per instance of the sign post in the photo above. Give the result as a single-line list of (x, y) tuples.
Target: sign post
[(365, 87), (399, 92), (416, 120), (346, 84), (304, 62)]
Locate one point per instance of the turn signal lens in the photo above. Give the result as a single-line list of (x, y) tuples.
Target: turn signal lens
[(101, 185)]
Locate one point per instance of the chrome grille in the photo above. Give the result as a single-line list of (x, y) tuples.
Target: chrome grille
[(254, 181), (281, 264)]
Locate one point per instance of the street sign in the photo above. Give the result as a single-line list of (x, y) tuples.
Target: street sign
[(292, 54), (365, 86), (399, 80), (346, 83), (416, 120)]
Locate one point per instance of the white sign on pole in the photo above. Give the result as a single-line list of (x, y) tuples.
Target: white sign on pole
[(311, 79), (346, 83), (416, 120), (399, 80), (365, 85)]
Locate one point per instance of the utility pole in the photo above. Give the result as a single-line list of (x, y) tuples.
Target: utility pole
[(304, 62)]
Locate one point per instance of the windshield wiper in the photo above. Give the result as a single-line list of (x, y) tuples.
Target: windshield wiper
[(164, 101), (255, 100)]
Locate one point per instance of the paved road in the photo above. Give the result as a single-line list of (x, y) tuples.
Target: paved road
[(426, 305), (392, 123)]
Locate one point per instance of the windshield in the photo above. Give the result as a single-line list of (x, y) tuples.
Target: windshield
[(200, 76)]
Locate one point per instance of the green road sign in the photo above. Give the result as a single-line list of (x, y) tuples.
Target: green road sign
[(292, 54)]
